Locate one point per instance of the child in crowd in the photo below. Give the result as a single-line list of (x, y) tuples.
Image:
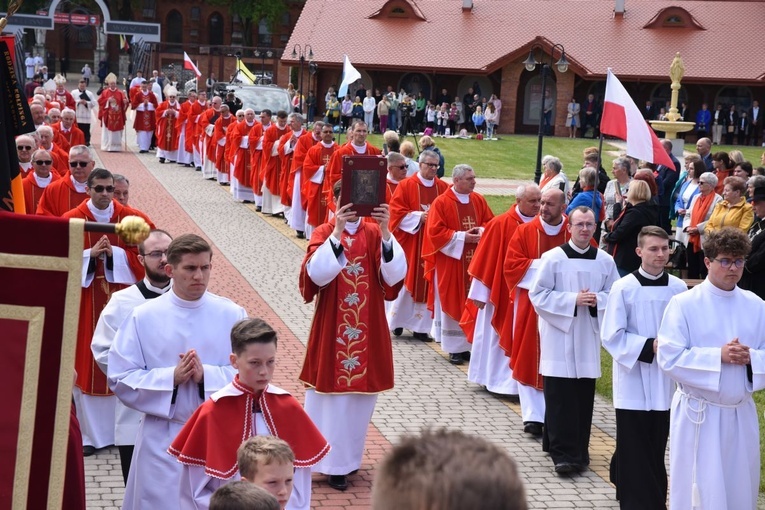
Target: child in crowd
[(242, 496), (249, 406), (268, 462), (442, 120), (478, 120), (430, 115)]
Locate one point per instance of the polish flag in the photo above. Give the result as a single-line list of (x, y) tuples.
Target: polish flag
[(622, 119), (188, 64)]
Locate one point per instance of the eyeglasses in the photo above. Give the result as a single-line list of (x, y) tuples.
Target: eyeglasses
[(431, 165), (401, 167), (155, 254), (726, 263), (41, 162), (101, 189), (584, 226), (81, 164), (24, 147)]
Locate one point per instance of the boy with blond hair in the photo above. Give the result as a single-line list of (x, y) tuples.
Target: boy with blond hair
[(248, 406), (268, 462)]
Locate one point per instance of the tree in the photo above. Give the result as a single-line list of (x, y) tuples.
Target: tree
[(252, 11)]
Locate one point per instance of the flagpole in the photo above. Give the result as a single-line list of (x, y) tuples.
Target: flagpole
[(597, 174)]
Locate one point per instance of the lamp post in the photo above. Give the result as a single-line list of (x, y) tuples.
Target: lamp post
[(531, 63), (301, 51), (262, 54)]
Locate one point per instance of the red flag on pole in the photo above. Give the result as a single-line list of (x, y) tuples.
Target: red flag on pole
[(188, 64), (622, 119)]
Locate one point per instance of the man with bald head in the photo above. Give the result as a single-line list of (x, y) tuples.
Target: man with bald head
[(704, 149), (37, 180), (528, 243), (25, 147), (45, 136), (38, 114), (488, 313)]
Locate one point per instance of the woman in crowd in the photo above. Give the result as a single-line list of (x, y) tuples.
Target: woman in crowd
[(638, 212), (587, 177), (461, 116), (572, 117), (723, 167), (347, 111), (407, 150), (553, 176), (442, 120), (491, 120), (616, 191), (696, 218), (357, 109), (733, 210), (454, 115), (689, 188), (383, 110)]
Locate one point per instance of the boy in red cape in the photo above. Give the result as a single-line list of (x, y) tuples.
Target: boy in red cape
[(208, 443)]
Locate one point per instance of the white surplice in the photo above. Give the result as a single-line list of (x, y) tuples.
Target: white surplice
[(714, 430), (120, 305), (489, 364), (632, 318), (141, 365)]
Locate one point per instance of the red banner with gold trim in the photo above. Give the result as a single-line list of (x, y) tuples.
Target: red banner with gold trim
[(40, 271)]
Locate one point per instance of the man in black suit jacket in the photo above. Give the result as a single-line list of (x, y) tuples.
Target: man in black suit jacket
[(668, 177), (649, 112), (756, 120), (590, 116)]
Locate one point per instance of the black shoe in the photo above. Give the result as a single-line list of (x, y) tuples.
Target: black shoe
[(225, 184), (533, 427), (398, 331), (422, 337), (465, 355), (258, 208), (580, 468), (162, 160), (338, 482), (247, 202), (278, 215), (456, 359), (565, 468), (142, 152), (300, 234), (88, 450), (199, 169)]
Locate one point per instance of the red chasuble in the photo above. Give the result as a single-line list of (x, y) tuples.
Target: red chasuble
[(269, 164), (33, 192), (64, 98), (527, 244), (242, 157), (60, 197), (213, 434), (304, 143), (334, 171), (145, 120), (168, 134), (487, 267), (349, 348), (311, 193), (412, 195), (448, 215), (90, 379), (219, 133), (193, 129), (285, 166), (103, 107), (256, 178), (67, 139), (114, 119)]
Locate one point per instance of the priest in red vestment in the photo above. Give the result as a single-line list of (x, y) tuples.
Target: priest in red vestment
[(185, 152), (112, 107), (168, 134), (297, 217), (256, 141), (60, 157), (349, 269), (220, 130), (270, 167), (63, 96), (358, 145), (207, 121), (409, 208), (144, 104), (194, 133), (488, 313), (69, 191), (241, 152), (529, 242), (109, 265), (25, 147), (314, 167), (38, 179), (453, 229), (66, 134)]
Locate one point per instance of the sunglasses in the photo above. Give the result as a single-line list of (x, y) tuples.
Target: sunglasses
[(41, 162), (24, 147), (101, 189), (81, 164), (400, 167)]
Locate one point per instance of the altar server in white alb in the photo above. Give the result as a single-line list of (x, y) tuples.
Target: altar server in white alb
[(169, 356), (712, 343), (152, 255), (569, 295), (642, 392)]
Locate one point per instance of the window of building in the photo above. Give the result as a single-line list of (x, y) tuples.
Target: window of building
[(216, 29), (264, 32), (174, 27), (286, 19), (674, 17), (195, 13), (741, 97), (149, 8)]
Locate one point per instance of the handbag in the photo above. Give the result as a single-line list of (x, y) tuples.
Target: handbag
[(731, 128)]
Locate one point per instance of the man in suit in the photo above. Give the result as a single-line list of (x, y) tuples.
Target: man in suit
[(703, 121), (591, 111), (755, 118), (649, 112)]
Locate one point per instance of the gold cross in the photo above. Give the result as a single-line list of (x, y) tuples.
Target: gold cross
[(326, 159), (468, 223)]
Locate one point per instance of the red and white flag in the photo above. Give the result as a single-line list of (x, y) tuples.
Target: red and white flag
[(622, 119), (188, 64)]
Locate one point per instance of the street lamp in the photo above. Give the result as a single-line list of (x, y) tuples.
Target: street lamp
[(262, 54), (301, 51), (531, 63)]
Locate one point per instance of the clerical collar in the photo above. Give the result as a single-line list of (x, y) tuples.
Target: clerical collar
[(352, 226), (298, 133), (391, 179), (157, 290), (428, 183), (42, 182), (648, 280), (25, 166), (266, 126), (183, 303), (551, 230), (525, 218), (101, 216), (714, 289), (572, 251), (250, 124), (328, 145), (79, 187), (463, 198), (315, 139), (171, 103), (361, 149), (578, 249)]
